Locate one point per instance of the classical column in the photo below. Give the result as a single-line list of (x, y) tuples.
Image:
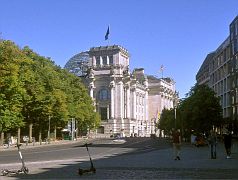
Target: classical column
[(134, 104), (112, 86), (91, 92), (128, 102), (108, 115), (91, 82), (121, 103), (101, 62), (91, 87), (146, 106)]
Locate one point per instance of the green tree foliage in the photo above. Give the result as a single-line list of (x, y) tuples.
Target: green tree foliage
[(33, 88), (80, 104), (199, 111), (11, 88), (167, 120)]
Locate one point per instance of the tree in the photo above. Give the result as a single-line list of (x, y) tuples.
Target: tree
[(167, 120), (80, 104), (11, 88), (33, 90), (201, 110)]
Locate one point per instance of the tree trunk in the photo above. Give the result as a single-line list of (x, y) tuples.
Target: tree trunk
[(40, 140), (19, 136), (30, 132), (55, 133), (2, 139)]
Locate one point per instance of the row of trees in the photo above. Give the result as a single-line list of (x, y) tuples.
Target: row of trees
[(34, 89), (200, 111)]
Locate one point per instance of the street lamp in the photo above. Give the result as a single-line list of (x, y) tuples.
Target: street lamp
[(175, 113), (175, 108)]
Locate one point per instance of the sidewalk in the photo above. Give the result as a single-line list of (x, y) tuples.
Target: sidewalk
[(157, 163), (191, 157), (37, 144), (195, 163)]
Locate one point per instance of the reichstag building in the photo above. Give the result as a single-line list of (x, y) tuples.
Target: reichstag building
[(129, 102)]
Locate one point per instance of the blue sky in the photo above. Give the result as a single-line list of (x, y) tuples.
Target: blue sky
[(176, 33)]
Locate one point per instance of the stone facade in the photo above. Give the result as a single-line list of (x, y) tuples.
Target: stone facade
[(128, 102), (162, 95)]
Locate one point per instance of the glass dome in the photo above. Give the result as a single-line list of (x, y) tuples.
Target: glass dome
[(78, 64)]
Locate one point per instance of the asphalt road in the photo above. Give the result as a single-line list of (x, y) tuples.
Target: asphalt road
[(76, 151), (136, 158)]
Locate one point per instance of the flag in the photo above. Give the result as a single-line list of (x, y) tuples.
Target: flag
[(162, 68), (107, 33)]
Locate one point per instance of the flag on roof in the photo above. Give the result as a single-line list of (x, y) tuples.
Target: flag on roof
[(107, 33), (162, 67)]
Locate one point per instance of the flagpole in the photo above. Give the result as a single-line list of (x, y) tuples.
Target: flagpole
[(108, 41), (162, 71)]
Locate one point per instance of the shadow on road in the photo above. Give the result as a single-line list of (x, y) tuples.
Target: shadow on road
[(152, 161), (106, 163)]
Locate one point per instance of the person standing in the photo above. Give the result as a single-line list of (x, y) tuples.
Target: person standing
[(176, 144), (227, 141), (213, 143)]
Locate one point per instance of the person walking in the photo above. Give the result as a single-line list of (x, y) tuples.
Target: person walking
[(176, 144), (213, 143), (227, 137)]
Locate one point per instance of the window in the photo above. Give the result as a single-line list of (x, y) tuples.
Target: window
[(236, 33), (103, 112), (235, 46), (98, 60), (110, 60), (225, 101), (103, 94), (104, 60)]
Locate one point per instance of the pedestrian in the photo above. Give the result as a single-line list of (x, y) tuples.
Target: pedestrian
[(227, 137), (213, 142), (176, 144)]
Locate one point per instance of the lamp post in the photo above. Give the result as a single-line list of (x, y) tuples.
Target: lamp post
[(175, 113), (175, 109)]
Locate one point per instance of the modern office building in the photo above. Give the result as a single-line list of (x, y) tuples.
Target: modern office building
[(220, 72), (234, 70), (128, 102), (215, 73)]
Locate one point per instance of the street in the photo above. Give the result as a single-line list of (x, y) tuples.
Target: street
[(76, 150), (136, 158)]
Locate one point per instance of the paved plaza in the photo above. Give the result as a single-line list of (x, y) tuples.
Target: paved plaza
[(150, 163)]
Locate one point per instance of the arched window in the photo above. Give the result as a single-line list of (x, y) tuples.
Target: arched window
[(103, 94)]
